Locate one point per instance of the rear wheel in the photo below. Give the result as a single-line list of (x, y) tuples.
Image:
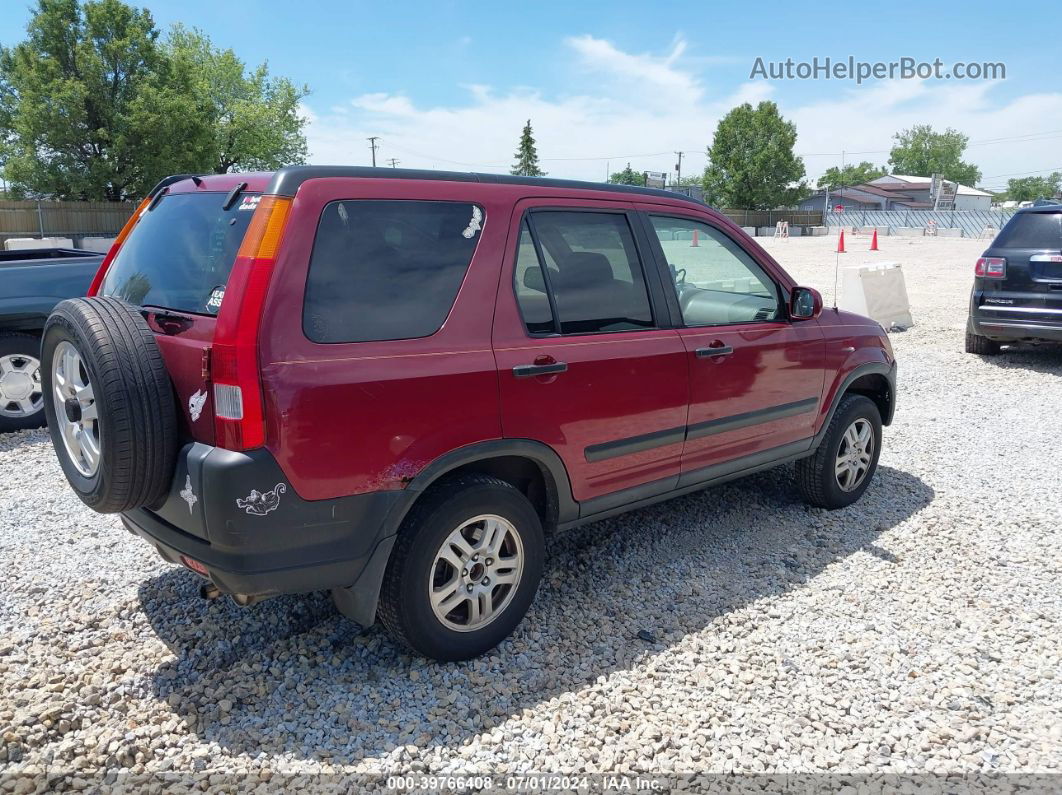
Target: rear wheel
[(21, 395), (975, 343), (464, 570)]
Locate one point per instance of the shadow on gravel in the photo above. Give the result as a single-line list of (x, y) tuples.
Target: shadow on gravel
[(302, 681), (1038, 358)]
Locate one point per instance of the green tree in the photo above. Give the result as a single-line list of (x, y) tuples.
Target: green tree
[(751, 160), (627, 177), (854, 174), (251, 120), (1030, 188), (65, 99), (921, 152), (94, 106), (527, 156)]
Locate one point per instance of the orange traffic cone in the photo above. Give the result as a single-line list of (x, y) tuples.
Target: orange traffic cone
[(695, 243), (874, 241), (840, 244)]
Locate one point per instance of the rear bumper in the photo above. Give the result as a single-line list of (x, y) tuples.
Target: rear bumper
[(1009, 330), (235, 515)]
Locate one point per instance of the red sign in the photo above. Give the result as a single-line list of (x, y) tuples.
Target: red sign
[(838, 208)]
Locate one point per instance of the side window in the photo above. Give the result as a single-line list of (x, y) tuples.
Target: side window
[(593, 271), (387, 270), (716, 280), (530, 286)]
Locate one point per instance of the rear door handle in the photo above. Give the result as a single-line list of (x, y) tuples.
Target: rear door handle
[(718, 350), (525, 370)]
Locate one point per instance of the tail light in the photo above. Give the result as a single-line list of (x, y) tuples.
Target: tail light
[(238, 409), (991, 268), (97, 280)]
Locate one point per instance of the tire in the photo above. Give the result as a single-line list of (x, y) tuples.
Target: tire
[(134, 429), (983, 346), (21, 396), (405, 607), (817, 476)]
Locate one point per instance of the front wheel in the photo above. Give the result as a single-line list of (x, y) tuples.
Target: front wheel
[(464, 570), (844, 464)]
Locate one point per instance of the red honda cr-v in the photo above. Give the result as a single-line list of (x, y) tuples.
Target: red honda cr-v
[(392, 384)]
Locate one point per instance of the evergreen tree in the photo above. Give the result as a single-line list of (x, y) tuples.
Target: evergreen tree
[(627, 177), (527, 156)]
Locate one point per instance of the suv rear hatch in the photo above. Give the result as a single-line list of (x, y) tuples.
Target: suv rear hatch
[(175, 263), (1027, 286)]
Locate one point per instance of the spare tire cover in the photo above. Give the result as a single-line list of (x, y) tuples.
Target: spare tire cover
[(109, 403)]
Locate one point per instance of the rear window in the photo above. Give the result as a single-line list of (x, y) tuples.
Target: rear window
[(387, 270), (1032, 230), (179, 255)]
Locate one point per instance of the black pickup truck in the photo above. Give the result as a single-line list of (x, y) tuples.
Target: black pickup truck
[(32, 281)]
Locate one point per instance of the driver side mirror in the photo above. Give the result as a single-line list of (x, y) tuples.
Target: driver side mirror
[(805, 303)]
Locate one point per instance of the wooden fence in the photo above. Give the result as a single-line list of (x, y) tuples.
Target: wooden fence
[(771, 217), (62, 219)]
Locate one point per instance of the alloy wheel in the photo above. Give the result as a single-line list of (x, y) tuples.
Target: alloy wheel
[(76, 411), (854, 455), (20, 385), (476, 573)]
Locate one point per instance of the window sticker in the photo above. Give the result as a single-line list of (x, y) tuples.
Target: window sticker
[(474, 225), (249, 202), (217, 295)]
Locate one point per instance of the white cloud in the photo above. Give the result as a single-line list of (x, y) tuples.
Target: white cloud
[(645, 106)]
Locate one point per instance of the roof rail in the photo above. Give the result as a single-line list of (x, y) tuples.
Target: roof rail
[(286, 181)]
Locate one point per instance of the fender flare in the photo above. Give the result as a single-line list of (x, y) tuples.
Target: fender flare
[(359, 601), (868, 368)]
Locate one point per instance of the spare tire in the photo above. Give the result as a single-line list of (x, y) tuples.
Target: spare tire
[(109, 402)]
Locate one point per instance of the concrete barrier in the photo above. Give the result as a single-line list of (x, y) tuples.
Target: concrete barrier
[(15, 243), (100, 245), (796, 231), (949, 231), (816, 231), (765, 231), (749, 230), (876, 291), (908, 231)]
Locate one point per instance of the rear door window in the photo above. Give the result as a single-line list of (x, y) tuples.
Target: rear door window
[(179, 255), (592, 269), (387, 270), (1032, 230)]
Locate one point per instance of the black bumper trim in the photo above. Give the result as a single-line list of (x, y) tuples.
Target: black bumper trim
[(295, 546)]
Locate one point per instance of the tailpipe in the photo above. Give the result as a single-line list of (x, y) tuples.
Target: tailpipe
[(209, 591)]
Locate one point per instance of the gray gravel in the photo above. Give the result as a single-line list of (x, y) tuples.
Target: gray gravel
[(915, 631)]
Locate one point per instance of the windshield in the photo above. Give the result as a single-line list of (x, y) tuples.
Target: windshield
[(179, 255)]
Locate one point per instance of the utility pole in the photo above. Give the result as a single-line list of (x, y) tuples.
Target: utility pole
[(393, 162), (678, 168), (372, 139)]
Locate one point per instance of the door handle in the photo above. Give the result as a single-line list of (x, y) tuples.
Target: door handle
[(525, 370), (714, 350)]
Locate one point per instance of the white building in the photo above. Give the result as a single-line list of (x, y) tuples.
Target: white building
[(920, 189)]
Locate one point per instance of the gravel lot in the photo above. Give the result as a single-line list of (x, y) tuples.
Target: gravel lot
[(915, 631)]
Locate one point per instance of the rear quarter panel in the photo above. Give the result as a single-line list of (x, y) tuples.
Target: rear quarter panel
[(350, 418)]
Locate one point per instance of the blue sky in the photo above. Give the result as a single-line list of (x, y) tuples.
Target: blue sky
[(448, 85)]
